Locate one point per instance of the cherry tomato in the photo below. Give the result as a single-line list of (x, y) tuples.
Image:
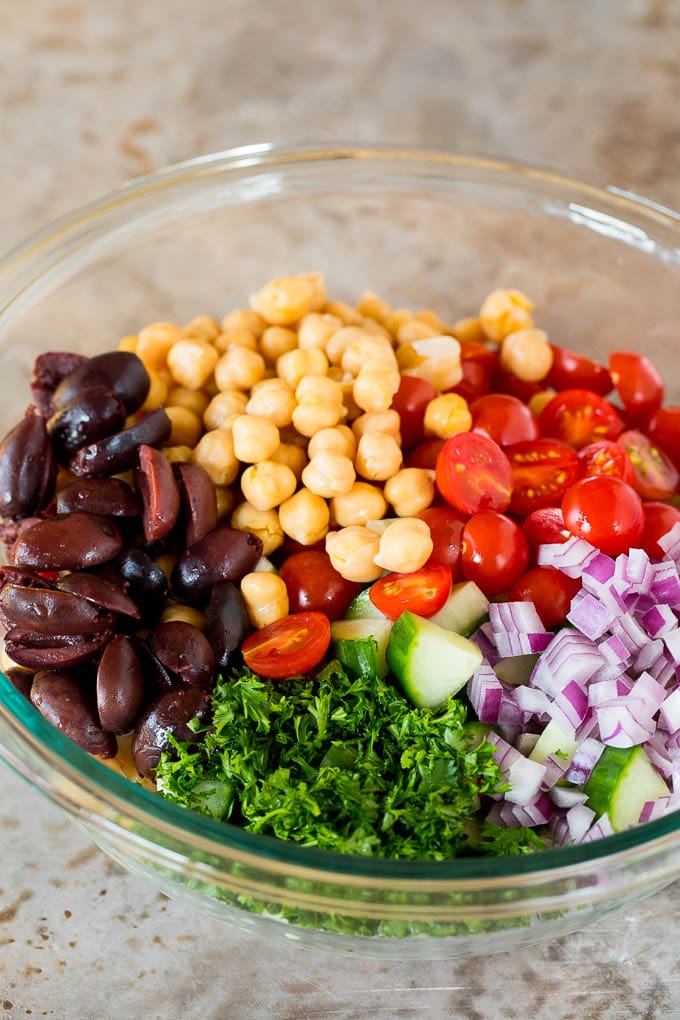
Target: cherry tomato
[(425, 454), (314, 585), (542, 471), (656, 477), (506, 382), (474, 474), (571, 370), (638, 382), (475, 383), (446, 530), (494, 553), (606, 512), (472, 350), (579, 417), (504, 419), (663, 428), (545, 527), (288, 647), (659, 519), (551, 592), (410, 401), (605, 458), (422, 592)]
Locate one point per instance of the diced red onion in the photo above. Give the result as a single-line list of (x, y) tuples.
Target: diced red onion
[(571, 703), (665, 586), (522, 644), (484, 639), (524, 777), (659, 620), (672, 643), (630, 632), (669, 713), (485, 692), (571, 557), (649, 691), (589, 616), (654, 809), (579, 821), (601, 828), (613, 650), (670, 542), (517, 617), (571, 657), (608, 690), (538, 811), (586, 757), (567, 796), (532, 700), (619, 727)]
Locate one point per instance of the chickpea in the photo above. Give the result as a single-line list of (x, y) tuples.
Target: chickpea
[(191, 362), (195, 400), (274, 399), (174, 455), (186, 614), (368, 348), (288, 298), (291, 456), (236, 336), (154, 343), (539, 401), (527, 354), (275, 341), (267, 484), (224, 500), (239, 369), (415, 329), (388, 422), (305, 517), (505, 311), (337, 439), (362, 503), (201, 327), (263, 523), (128, 343), (166, 561), (255, 437), (341, 310), (447, 415), (436, 360), (469, 331), (266, 597), (158, 391), (378, 456), (222, 406), (398, 317), (244, 318), (375, 386), (319, 404), (291, 437), (430, 317), (405, 545), (329, 474), (316, 329), (375, 328), (342, 339), (373, 307), (215, 453), (352, 552), (410, 491), (295, 365), (187, 427)]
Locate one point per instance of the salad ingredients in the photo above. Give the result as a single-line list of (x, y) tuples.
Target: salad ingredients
[(423, 591), (288, 647), (431, 663)]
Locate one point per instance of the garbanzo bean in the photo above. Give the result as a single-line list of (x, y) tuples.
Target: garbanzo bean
[(266, 597), (527, 354), (305, 517), (319, 404), (415, 329), (405, 545), (244, 318), (201, 327), (373, 307), (539, 401), (195, 400), (158, 391), (178, 611), (275, 341), (263, 523), (222, 406), (342, 339), (504, 311), (177, 454), (316, 329), (387, 421), (239, 369), (447, 415), (288, 298), (378, 456), (274, 399), (215, 453), (191, 362), (296, 365), (362, 503), (187, 427), (375, 386), (255, 437), (329, 474), (224, 499), (368, 348), (337, 439), (292, 455), (469, 330), (267, 484), (154, 342), (352, 552), (410, 491), (236, 336)]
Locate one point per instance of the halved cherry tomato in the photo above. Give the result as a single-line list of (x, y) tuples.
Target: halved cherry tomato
[(656, 477), (579, 417), (495, 552), (504, 419), (425, 454), (446, 531), (542, 471), (473, 350), (606, 512), (571, 370), (476, 381), (314, 585), (638, 382), (659, 519), (288, 647), (506, 382), (474, 474), (550, 590), (422, 592), (663, 428), (545, 527), (411, 400), (605, 458)]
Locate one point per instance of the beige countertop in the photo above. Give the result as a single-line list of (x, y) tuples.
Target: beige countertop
[(93, 93)]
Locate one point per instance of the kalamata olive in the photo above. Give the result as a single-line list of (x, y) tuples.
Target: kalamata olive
[(147, 584), (21, 679), (50, 611), (157, 678), (101, 592), (68, 542), (28, 468), (90, 415), (120, 686), (121, 371), (119, 452), (48, 371), (198, 500), (224, 554), (40, 651), (167, 715), (184, 650), (23, 576), (159, 493), (63, 700), (110, 497), (228, 623)]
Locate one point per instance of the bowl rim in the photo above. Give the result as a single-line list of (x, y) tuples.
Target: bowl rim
[(95, 792)]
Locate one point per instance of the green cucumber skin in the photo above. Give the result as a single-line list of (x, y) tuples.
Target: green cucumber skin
[(464, 611), (621, 783), (360, 645), (361, 608)]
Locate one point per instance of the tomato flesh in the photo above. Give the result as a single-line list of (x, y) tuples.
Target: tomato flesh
[(474, 474), (550, 590), (659, 519), (579, 417), (542, 471), (503, 418), (663, 428), (654, 474), (446, 530), (494, 553), (545, 527), (422, 592), (638, 382), (606, 512), (314, 585), (410, 401), (288, 647), (425, 454), (606, 458), (574, 371)]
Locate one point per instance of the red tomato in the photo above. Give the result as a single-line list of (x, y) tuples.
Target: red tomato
[(425, 454), (422, 592), (659, 519), (288, 647), (571, 370), (472, 350), (410, 401), (638, 382), (663, 428), (542, 471), (314, 585), (446, 529), (551, 592), (495, 552), (606, 458), (656, 477), (606, 512), (474, 474), (579, 417), (475, 383), (504, 419), (545, 527), (506, 382)]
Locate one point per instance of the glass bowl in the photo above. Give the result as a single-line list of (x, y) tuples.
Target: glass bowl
[(422, 229)]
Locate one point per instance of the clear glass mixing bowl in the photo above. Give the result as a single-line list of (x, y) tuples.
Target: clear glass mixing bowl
[(421, 229)]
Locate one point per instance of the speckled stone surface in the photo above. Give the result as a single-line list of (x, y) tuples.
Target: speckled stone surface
[(93, 93)]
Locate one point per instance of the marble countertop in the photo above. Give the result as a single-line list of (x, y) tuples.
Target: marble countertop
[(92, 94)]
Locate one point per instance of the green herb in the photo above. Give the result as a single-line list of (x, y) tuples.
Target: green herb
[(340, 763), (496, 841)]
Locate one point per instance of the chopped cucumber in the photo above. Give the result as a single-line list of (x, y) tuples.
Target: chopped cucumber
[(430, 663), (621, 783), (361, 608), (555, 740), (360, 645), (464, 610), (516, 669)]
